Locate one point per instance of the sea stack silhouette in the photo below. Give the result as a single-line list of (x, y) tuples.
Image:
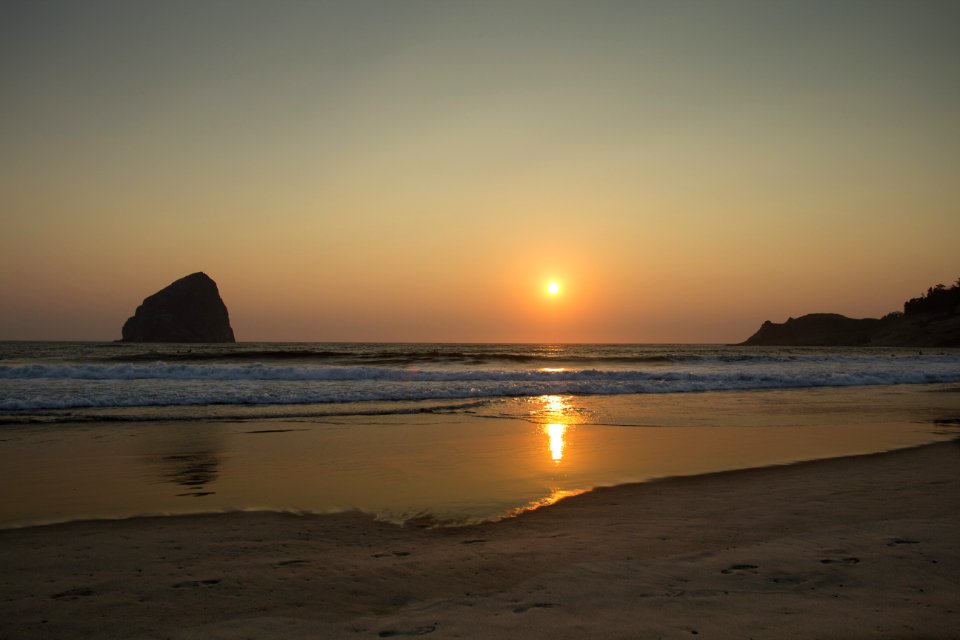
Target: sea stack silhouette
[(189, 310)]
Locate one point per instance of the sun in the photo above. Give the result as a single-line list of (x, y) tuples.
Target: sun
[(553, 288)]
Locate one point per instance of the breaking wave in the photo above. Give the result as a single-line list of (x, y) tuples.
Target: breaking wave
[(62, 386)]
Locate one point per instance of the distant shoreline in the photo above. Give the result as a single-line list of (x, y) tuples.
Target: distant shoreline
[(932, 320)]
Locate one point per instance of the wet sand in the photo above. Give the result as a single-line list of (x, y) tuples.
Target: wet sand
[(461, 466), (856, 547)]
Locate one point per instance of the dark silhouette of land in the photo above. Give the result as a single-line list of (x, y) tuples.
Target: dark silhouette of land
[(931, 320), (189, 310)]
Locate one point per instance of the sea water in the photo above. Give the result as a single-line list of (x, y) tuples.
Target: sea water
[(80, 380), (446, 432)]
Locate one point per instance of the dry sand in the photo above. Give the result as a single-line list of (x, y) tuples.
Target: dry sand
[(859, 547)]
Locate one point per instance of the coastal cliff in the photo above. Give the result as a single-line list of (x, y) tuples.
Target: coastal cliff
[(188, 310), (932, 320)]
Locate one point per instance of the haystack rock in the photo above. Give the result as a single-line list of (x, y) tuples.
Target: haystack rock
[(189, 310)]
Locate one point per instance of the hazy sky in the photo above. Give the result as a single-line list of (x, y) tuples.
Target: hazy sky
[(419, 171)]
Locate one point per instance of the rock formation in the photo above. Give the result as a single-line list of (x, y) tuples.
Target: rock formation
[(932, 320), (816, 329), (189, 310)]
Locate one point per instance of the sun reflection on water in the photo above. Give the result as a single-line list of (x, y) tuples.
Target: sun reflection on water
[(555, 432), (556, 414), (553, 407), (556, 495), (557, 418)]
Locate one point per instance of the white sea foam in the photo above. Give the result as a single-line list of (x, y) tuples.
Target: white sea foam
[(67, 386), (812, 365)]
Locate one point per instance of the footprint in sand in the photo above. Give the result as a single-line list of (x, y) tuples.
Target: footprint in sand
[(73, 594), (417, 631), (289, 563), (196, 583), (537, 605), (840, 561), (740, 568), (894, 542)]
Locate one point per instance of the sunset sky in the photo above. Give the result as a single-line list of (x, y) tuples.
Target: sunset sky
[(420, 171)]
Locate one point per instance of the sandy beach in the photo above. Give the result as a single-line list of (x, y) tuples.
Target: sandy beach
[(586, 320), (855, 547)]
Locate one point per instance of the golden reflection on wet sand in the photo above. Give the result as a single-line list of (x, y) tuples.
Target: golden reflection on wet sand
[(556, 495), (553, 407), (559, 414), (555, 432), (511, 456)]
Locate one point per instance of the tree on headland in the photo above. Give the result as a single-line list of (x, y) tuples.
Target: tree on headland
[(938, 299)]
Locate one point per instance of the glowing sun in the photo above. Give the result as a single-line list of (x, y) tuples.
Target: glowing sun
[(553, 288)]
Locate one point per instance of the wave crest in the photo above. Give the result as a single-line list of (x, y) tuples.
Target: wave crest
[(65, 386)]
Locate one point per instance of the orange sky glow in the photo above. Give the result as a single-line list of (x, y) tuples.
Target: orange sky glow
[(421, 171)]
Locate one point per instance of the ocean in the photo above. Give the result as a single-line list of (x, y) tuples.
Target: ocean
[(89, 381), (444, 432)]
